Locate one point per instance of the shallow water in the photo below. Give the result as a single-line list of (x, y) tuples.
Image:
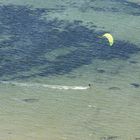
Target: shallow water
[(50, 52)]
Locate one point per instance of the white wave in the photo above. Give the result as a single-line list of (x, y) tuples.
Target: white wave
[(61, 87)]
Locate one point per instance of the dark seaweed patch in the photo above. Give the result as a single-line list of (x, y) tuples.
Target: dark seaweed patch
[(100, 70), (130, 7), (32, 37), (109, 138), (133, 62), (30, 100), (114, 88), (127, 7), (137, 138), (136, 85), (9, 133)]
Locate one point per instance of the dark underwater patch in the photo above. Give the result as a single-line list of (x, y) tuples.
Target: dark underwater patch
[(110, 138), (137, 138), (133, 62), (131, 7), (30, 100), (114, 88), (115, 6), (136, 85), (32, 37), (101, 71)]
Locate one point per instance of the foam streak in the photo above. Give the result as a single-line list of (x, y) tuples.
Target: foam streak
[(61, 87)]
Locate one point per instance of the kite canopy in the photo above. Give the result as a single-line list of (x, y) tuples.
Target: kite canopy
[(109, 37)]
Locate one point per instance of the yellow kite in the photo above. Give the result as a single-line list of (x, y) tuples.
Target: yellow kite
[(109, 37)]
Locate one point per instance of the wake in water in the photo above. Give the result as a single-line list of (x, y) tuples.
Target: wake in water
[(61, 87)]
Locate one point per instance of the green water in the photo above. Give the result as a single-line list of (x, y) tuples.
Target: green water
[(109, 110)]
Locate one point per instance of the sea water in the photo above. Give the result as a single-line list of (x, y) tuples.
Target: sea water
[(50, 51)]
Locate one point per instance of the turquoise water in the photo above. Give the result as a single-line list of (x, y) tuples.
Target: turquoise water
[(50, 51)]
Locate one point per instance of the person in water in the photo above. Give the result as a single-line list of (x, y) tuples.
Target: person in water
[(89, 85)]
